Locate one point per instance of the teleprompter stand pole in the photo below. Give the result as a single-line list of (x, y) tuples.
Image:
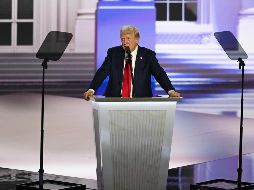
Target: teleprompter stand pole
[(41, 170), (240, 170)]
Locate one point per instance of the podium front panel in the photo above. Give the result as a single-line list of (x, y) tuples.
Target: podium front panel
[(133, 142)]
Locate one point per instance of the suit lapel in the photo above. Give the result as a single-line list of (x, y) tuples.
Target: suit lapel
[(120, 65), (138, 62)]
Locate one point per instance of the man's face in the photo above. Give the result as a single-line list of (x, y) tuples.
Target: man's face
[(128, 39)]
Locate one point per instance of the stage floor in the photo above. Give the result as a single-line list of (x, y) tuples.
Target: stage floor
[(69, 147)]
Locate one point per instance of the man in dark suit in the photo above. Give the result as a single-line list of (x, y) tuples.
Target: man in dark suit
[(129, 68)]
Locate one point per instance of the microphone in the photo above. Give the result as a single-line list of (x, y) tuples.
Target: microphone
[(128, 58), (128, 52), (127, 49)]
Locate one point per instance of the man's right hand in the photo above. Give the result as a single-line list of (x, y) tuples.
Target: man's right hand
[(88, 94)]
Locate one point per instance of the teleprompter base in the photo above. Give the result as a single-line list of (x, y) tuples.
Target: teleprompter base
[(51, 185), (221, 184)]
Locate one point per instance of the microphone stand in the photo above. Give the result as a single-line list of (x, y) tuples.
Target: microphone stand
[(129, 61)]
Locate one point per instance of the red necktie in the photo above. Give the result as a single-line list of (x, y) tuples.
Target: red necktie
[(127, 79)]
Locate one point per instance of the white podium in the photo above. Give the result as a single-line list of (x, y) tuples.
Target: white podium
[(133, 142)]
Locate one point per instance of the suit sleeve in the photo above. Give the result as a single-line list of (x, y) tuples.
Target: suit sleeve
[(102, 72), (159, 73)]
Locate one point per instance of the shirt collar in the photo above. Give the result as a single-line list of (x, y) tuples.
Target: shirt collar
[(135, 51)]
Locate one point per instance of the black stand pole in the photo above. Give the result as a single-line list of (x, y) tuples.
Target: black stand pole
[(240, 170), (41, 170)]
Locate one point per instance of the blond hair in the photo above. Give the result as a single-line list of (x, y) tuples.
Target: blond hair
[(129, 30)]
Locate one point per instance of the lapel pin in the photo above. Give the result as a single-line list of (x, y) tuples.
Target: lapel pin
[(140, 57)]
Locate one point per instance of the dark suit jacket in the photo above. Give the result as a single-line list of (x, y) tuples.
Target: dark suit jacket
[(145, 66)]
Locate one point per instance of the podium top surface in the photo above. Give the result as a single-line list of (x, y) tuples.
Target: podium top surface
[(148, 99)]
